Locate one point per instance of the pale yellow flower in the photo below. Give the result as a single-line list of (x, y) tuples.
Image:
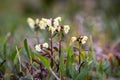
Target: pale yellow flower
[(73, 39), (44, 19), (49, 22), (84, 39), (37, 21), (45, 45), (56, 23), (58, 19), (66, 29), (38, 47), (43, 24), (31, 23), (52, 29)]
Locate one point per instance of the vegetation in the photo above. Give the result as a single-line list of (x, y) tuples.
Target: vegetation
[(83, 44)]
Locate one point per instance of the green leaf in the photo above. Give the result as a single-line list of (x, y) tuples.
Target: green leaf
[(27, 49), (45, 62), (5, 49), (82, 74), (69, 51), (62, 63), (70, 69), (14, 55)]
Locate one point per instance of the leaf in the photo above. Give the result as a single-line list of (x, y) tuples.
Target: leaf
[(69, 51), (82, 74), (5, 49), (45, 62), (62, 63), (70, 70), (27, 49), (14, 55)]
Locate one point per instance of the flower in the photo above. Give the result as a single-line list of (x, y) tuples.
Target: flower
[(31, 22), (56, 21), (49, 22), (84, 39), (43, 24), (38, 47), (73, 39), (66, 29), (45, 45), (37, 21), (52, 29)]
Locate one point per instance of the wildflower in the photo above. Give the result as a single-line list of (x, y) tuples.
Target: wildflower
[(45, 45), (49, 22), (58, 18), (43, 19), (84, 39), (52, 29), (38, 47), (56, 21), (37, 21), (73, 39), (32, 23), (66, 29), (43, 24)]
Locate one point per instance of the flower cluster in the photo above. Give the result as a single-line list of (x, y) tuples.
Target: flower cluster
[(39, 47), (81, 39), (50, 24)]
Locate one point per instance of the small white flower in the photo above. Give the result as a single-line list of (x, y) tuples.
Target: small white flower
[(58, 19), (37, 21), (43, 24), (84, 39), (52, 29), (66, 29), (49, 22), (38, 47), (31, 23), (44, 19), (56, 23), (45, 45)]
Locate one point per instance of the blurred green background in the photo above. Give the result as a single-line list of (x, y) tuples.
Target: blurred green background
[(99, 18)]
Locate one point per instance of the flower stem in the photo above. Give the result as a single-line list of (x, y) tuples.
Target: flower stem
[(79, 57), (51, 49), (59, 49)]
